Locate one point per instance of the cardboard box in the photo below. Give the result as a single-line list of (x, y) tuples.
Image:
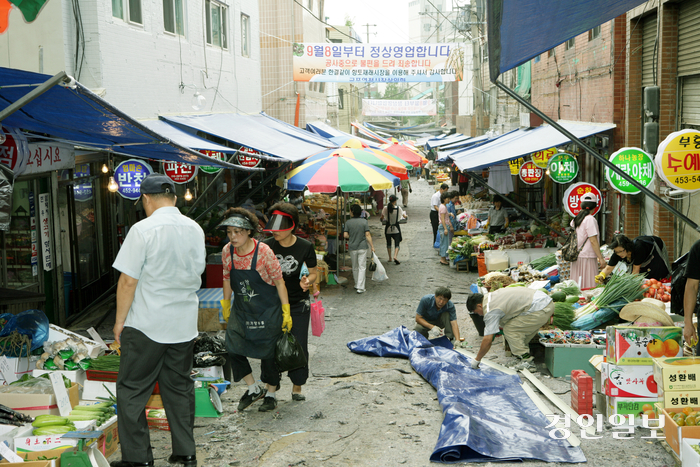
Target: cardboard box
[(20, 366), (635, 345), (109, 441), (676, 434), (94, 389), (77, 376), (155, 401), (38, 404), (24, 444), (52, 457), (630, 406), (679, 399), (27, 464), (57, 333), (630, 381), (209, 320), (690, 455), (677, 374)]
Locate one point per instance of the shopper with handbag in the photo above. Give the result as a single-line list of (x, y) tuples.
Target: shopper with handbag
[(297, 259), (391, 216), (590, 259)]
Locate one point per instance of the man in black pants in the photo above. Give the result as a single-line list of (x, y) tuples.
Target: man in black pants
[(434, 206), (161, 263)]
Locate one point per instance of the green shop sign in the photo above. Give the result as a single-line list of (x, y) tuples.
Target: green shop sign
[(562, 168), (216, 155), (635, 163)]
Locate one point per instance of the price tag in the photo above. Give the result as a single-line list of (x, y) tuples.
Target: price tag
[(59, 390), (7, 371), (8, 454), (96, 337)]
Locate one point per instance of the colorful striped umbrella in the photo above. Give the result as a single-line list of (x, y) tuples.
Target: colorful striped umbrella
[(406, 154), (379, 152), (382, 160), (327, 174)]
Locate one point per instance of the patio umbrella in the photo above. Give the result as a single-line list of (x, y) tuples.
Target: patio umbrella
[(406, 154), (391, 156), (348, 142), (383, 161)]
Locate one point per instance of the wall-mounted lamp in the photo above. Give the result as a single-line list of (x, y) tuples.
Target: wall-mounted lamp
[(112, 185)]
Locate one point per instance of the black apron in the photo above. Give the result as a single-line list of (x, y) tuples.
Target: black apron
[(255, 324), (389, 225)]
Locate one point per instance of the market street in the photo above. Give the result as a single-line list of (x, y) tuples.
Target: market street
[(365, 411)]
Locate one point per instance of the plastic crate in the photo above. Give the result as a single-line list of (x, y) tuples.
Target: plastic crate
[(159, 424), (96, 375)]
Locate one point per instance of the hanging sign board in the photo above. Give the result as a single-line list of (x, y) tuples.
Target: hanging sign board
[(635, 163), (515, 165), (216, 155), (82, 191), (35, 243), (530, 173), (572, 197), (678, 160), (179, 172), (541, 158), (45, 157), (247, 157), (129, 175), (14, 151), (45, 226), (562, 168)]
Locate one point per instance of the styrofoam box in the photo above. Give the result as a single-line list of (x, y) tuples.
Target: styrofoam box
[(21, 366), (688, 455), (210, 372), (76, 376), (8, 437), (94, 389), (516, 256), (59, 334)]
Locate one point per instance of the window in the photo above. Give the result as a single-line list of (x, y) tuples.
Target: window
[(245, 35), (550, 53), (173, 21), (570, 44), (322, 87), (132, 10), (594, 33), (217, 32)]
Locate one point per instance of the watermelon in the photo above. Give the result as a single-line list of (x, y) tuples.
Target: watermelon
[(558, 296)]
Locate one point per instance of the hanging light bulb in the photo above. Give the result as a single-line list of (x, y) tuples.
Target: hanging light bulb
[(188, 195), (198, 101), (112, 185), (105, 169)]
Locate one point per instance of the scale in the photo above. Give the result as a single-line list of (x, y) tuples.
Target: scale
[(207, 403), (79, 457)]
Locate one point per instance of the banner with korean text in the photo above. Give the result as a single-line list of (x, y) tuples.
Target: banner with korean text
[(376, 63), (403, 108)]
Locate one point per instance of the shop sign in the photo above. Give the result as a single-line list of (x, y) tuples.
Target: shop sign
[(82, 191), (216, 155), (541, 158), (572, 197), (14, 151), (179, 172), (247, 157), (45, 157), (678, 160), (129, 175), (634, 162), (562, 168), (32, 229), (45, 227), (530, 173), (515, 165)]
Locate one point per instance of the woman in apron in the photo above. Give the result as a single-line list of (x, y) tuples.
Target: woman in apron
[(260, 310)]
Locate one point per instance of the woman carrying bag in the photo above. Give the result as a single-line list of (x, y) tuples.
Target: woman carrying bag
[(260, 310), (392, 215), (585, 268)]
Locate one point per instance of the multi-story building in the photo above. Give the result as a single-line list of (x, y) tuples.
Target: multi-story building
[(344, 99), (281, 25)]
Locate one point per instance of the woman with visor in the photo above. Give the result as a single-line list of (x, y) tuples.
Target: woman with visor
[(260, 309), (297, 259)]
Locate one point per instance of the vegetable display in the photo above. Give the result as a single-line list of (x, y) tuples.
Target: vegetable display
[(106, 363), (658, 290), (544, 262), (626, 287), (9, 416)]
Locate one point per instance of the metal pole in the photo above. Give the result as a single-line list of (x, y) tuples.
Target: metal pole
[(213, 182), (595, 154), (33, 94)]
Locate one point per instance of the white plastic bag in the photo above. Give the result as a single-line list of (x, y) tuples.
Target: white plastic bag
[(380, 274)]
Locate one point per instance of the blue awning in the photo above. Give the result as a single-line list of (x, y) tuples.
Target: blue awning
[(78, 116), (516, 33), (520, 143), (260, 132), (446, 152), (445, 140), (185, 138), (327, 131)]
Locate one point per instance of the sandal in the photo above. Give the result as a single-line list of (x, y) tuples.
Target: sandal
[(444, 264), (396, 261)]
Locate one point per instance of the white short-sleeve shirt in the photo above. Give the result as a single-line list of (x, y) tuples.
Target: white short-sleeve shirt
[(165, 252)]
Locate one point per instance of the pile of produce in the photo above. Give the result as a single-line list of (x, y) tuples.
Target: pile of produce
[(106, 363), (100, 412), (46, 425), (658, 290), (688, 417), (70, 354), (11, 417), (461, 246), (496, 280), (528, 275), (571, 337), (544, 262), (627, 287)]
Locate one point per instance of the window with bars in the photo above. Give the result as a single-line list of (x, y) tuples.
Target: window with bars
[(173, 18), (245, 35), (128, 10), (217, 31)]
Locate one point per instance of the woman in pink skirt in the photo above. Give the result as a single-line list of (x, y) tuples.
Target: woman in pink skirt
[(590, 259)]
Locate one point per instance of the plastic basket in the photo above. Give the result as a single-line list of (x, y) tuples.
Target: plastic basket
[(95, 375), (158, 424)]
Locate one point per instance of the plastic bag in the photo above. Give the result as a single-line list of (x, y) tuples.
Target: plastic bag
[(318, 318), (437, 239), (380, 274), (32, 323), (288, 353), (209, 351)]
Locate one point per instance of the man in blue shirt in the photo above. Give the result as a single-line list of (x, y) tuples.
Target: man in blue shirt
[(436, 314)]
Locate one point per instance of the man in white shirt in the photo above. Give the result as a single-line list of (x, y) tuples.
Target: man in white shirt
[(434, 206), (161, 263), (519, 310)]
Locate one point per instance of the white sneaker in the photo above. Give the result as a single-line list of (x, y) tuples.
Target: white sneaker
[(360, 291)]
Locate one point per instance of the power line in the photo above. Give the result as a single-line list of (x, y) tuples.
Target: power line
[(321, 21)]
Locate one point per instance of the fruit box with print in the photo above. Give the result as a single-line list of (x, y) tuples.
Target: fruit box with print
[(635, 345), (630, 381), (632, 406), (677, 374), (675, 434), (679, 399)]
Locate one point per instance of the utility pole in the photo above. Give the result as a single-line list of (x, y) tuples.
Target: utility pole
[(367, 26)]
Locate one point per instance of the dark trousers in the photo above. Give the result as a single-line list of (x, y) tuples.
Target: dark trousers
[(143, 363), (463, 188), (301, 317), (443, 322), (435, 223), (240, 366)]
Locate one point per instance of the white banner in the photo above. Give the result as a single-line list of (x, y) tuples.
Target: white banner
[(404, 108), (45, 228), (45, 157)]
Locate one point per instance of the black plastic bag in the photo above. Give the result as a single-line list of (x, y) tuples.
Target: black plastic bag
[(289, 354), (209, 351)]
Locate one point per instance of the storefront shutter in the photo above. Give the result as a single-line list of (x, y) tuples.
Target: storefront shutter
[(648, 52), (690, 101), (689, 38)]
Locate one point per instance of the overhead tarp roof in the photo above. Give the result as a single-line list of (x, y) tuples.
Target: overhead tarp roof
[(327, 131), (445, 140), (516, 33), (260, 132), (446, 152), (76, 115), (367, 132), (184, 138), (519, 143)]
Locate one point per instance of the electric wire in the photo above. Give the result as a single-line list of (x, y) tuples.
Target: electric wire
[(321, 21)]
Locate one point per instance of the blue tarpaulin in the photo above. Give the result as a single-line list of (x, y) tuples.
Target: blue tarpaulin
[(488, 415), (337, 136), (76, 115), (185, 138), (260, 132), (516, 33), (520, 143)]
